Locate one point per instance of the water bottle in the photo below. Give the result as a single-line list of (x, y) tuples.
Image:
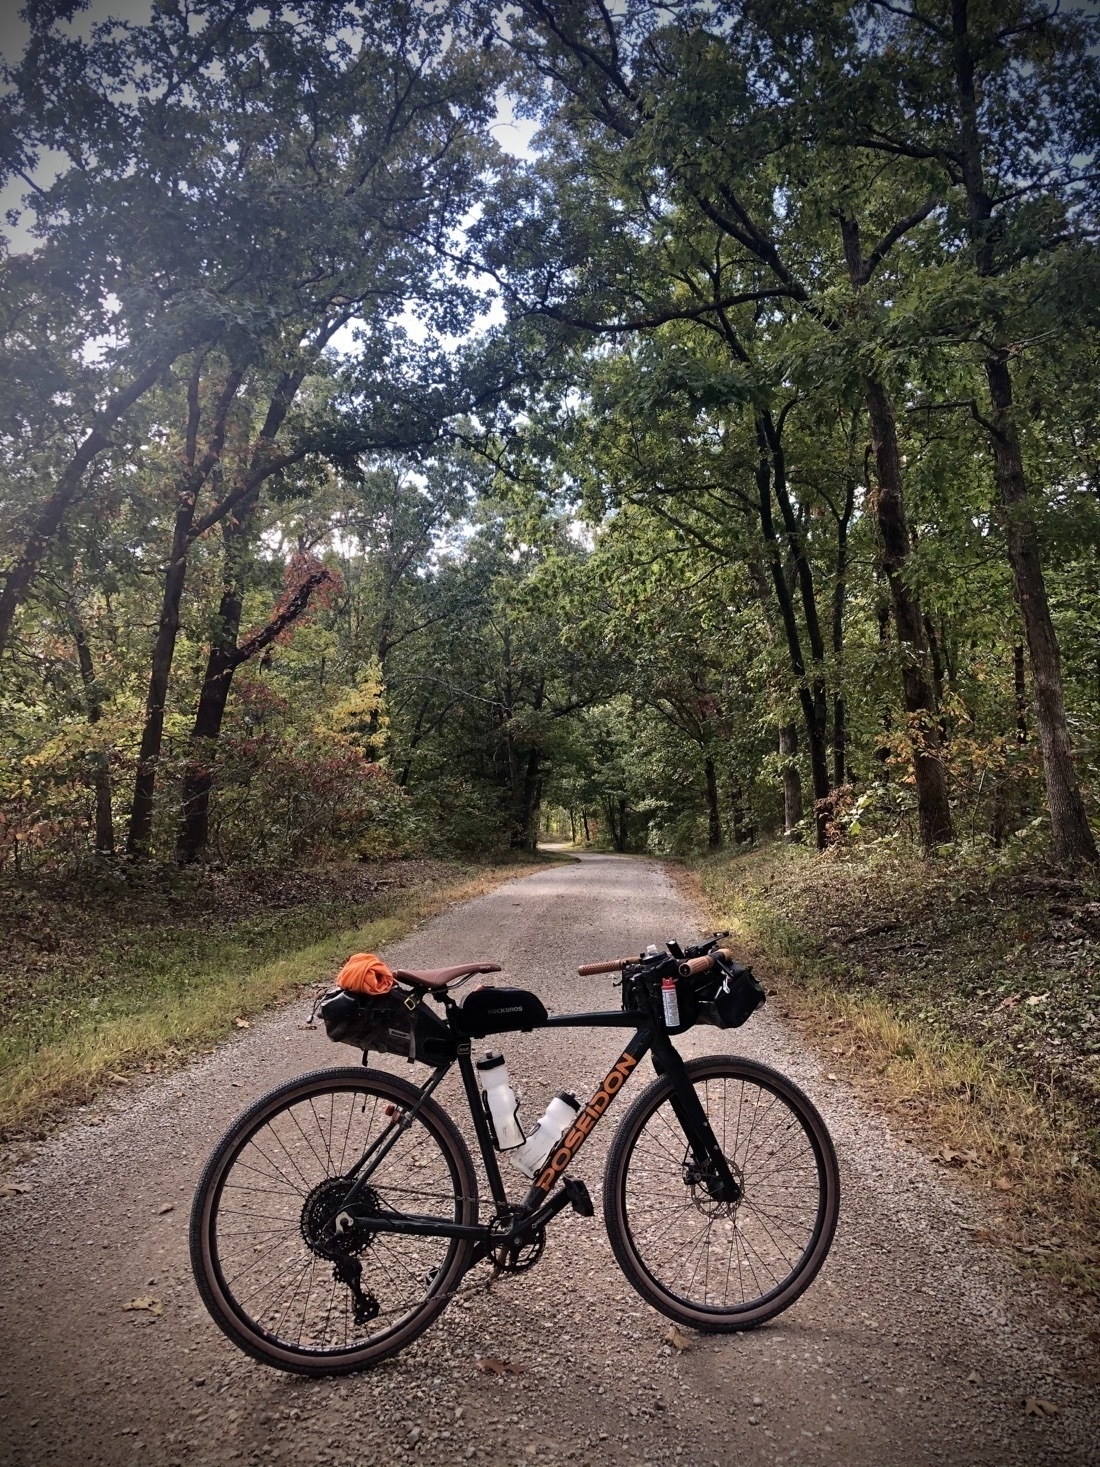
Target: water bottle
[(500, 1100), (559, 1116)]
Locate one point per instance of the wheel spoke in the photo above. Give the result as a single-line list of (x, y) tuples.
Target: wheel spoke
[(271, 1250), (691, 1248)]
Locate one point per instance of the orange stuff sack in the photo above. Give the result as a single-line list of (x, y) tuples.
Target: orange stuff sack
[(365, 973)]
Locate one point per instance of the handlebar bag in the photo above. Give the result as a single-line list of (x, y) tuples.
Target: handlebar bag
[(735, 1000), (489, 1010)]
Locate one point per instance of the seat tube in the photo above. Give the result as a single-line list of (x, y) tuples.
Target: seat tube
[(481, 1125)]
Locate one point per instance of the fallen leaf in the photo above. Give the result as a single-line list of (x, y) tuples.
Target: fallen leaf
[(946, 1157), (490, 1365), (1039, 1406), (1010, 1002), (973, 1378), (13, 1189), (148, 1302), (1003, 1184), (242, 1023), (678, 1339), (307, 1026), (1037, 998), (168, 1207), (117, 1079), (830, 1077)]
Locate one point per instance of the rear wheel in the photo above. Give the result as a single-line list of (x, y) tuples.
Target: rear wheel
[(708, 1263), (271, 1265)]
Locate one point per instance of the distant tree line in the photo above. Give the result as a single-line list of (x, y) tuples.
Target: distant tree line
[(765, 498)]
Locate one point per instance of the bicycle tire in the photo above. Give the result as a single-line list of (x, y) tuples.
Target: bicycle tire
[(647, 1171), (218, 1247)]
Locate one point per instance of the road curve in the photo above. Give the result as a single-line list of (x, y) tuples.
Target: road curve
[(914, 1345)]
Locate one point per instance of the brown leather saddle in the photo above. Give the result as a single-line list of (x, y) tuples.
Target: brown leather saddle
[(440, 977)]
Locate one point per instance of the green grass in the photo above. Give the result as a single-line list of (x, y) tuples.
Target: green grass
[(131, 993)]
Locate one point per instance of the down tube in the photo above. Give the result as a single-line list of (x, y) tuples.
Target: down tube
[(589, 1117)]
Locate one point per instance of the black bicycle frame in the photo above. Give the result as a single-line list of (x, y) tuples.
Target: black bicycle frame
[(537, 1206)]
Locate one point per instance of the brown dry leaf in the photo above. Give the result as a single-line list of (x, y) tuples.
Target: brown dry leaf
[(946, 1157), (307, 1026), (1010, 1002), (14, 1189), (1003, 1184), (148, 1302), (1039, 1406), (973, 1378), (678, 1339), (242, 1023), (1037, 998), (168, 1207), (117, 1079), (490, 1365)]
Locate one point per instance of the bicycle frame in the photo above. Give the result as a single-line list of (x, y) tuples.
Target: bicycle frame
[(538, 1206)]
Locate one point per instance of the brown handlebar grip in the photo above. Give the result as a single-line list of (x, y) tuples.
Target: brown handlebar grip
[(614, 966), (701, 965), (695, 965)]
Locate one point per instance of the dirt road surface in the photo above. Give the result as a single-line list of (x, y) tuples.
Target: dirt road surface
[(915, 1345)]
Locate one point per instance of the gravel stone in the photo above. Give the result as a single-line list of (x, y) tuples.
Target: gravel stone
[(868, 1368)]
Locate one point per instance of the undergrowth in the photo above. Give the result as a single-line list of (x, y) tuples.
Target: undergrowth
[(106, 981), (961, 998)]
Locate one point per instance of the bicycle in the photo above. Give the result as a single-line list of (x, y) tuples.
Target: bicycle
[(338, 1215)]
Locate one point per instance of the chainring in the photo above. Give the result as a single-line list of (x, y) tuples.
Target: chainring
[(517, 1256)]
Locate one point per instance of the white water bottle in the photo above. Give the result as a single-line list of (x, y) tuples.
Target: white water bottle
[(559, 1116), (500, 1101)]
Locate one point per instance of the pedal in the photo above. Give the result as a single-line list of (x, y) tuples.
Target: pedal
[(578, 1196)]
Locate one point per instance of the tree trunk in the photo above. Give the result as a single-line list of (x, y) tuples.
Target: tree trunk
[(621, 829), (198, 778), (587, 832), (811, 701), (714, 814), (792, 781), (224, 659), (744, 832), (152, 733), (1020, 689), (933, 809), (1073, 840), (101, 779)]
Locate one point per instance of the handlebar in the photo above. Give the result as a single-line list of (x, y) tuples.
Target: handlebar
[(685, 969), (703, 964), (614, 965)]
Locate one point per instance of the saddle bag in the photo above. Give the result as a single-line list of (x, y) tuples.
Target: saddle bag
[(384, 1023)]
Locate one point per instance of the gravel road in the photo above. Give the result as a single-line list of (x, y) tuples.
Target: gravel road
[(914, 1345)]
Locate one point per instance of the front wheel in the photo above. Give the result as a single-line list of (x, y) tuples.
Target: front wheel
[(279, 1273), (705, 1262)]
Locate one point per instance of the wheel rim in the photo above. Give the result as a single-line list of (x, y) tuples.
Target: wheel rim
[(722, 1257), (271, 1202)]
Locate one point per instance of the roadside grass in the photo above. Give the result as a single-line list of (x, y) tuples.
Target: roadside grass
[(957, 1077), (139, 995)]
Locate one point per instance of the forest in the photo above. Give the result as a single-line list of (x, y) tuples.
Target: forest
[(669, 424)]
